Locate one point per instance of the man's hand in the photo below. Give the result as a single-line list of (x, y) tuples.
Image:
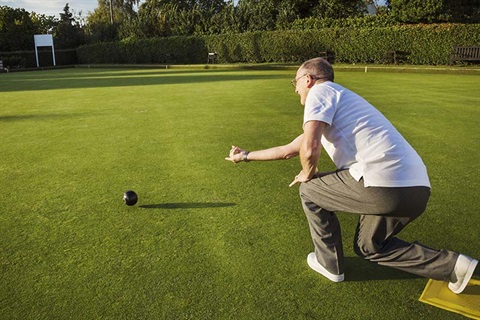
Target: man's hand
[(235, 155), (301, 177)]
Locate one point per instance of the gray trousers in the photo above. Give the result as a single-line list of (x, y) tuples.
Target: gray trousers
[(384, 212)]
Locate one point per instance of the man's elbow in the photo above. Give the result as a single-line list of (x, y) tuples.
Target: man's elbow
[(311, 152), (290, 155), (288, 151)]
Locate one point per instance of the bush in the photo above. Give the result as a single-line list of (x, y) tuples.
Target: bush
[(13, 62), (170, 50), (421, 44), (27, 59)]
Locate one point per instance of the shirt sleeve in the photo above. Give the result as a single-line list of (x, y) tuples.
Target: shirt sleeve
[(321, 104)]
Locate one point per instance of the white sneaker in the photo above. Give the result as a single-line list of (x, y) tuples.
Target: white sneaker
[(313, 263), (462, 273)]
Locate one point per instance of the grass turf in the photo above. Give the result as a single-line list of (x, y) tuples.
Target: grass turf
[(208, 239)]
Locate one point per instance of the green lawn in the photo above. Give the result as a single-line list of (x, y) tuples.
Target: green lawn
[(208, 239)]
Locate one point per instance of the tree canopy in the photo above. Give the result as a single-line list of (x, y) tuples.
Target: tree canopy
[(128, 19)]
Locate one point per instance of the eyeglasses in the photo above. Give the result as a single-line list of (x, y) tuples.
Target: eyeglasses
[(294, 81)]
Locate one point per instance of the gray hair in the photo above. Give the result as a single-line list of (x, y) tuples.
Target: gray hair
[(319, 68)]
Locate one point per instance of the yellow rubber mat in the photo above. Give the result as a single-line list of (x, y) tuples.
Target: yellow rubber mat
[(467, 303)]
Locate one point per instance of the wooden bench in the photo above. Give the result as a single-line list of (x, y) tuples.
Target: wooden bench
[(212, 57), (2, 67), (465, 54), (327, 55), (396, 56), (168, 58)]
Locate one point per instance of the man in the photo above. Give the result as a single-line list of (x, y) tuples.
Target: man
[(380, 177)]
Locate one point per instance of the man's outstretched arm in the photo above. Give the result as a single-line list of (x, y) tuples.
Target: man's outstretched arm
[(276, 153)]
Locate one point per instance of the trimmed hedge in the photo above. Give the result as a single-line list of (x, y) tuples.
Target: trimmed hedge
[(421, 44), (171, 50), (27, 59)]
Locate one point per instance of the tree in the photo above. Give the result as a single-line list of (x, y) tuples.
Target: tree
[(124, 8), (466, 11), (68, 33), (304, 8), (154, 19), (43, 24), (16, 29), (280, 14), (179, 17), (256, 15), (105, 22), (335, 9), (291, 10), (216, 5), (414, 11), (427, 11), (225, 21)]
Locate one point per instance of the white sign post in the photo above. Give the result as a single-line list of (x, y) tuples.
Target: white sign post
[(44, 40)]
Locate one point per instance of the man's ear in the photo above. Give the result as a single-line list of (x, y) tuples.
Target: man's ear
[(310, 81)]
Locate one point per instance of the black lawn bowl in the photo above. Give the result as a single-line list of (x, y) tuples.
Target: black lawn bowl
[(130, 198)]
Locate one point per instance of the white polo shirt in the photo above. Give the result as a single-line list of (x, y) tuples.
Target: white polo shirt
[(359, 138)]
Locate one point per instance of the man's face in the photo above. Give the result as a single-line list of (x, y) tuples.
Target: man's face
[(302, 85)]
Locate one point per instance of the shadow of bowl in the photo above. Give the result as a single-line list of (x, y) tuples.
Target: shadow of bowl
[(188, 205)]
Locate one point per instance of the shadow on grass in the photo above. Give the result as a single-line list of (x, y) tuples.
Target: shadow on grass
[(37, 117), (188, 205), (77, 79), (358, 269)]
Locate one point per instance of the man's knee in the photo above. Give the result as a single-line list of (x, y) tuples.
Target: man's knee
[(367, 249), (359, 251)]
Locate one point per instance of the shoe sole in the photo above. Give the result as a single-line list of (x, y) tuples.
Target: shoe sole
[(315, 266), (466, 279)]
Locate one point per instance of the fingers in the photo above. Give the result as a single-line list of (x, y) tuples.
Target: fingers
[(235, 150), (232, 153), (294, 182), (230, 159)]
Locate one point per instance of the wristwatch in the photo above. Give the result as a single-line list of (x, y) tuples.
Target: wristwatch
[(245, 156)]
